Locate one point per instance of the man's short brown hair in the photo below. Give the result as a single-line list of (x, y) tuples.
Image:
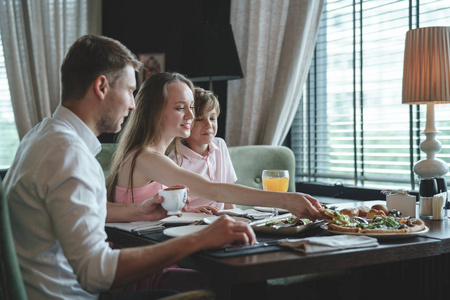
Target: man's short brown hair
[(89, 57)]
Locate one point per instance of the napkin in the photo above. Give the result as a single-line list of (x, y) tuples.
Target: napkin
[(141, 227), (329, 243), (438, 206), (250, 213)]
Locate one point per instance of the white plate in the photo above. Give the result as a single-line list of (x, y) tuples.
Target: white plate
[(183, 230), (211, 219), (269, 209), (378, 235), (185, 218)]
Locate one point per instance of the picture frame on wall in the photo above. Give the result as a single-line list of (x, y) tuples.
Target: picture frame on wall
[(153, 63)]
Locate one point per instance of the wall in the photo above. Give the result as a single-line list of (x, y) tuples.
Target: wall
[(157, 26)]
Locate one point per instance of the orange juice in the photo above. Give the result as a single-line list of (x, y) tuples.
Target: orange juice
[(275, 184)]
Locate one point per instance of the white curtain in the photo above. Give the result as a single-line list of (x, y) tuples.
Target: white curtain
[(36, 35), (275, 41)]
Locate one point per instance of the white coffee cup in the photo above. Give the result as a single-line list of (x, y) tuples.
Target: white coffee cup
[(174, 200)]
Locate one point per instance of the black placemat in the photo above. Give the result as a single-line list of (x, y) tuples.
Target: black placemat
[(248, 250), (161, 237)]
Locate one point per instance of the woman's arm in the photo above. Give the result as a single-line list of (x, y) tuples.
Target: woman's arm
[(154, 166)]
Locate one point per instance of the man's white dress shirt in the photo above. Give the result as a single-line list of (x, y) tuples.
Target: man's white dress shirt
[(57, 202)]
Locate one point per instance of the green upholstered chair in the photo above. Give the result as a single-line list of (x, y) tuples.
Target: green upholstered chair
[(250, 161), (12, 286), (105, 156), (3, 173)]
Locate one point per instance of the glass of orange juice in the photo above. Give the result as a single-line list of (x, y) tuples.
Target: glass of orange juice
[(275, 181)]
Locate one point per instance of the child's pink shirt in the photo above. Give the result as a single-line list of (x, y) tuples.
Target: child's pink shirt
[(215, 166)]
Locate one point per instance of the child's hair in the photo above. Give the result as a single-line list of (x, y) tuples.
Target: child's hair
[(205, 101)]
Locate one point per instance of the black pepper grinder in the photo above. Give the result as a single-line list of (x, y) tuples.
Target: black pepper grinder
[(428, 188)]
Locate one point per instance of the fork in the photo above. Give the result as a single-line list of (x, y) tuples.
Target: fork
[(283, 225)]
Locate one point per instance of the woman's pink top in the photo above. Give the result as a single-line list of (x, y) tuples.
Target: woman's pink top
[(123, 195)]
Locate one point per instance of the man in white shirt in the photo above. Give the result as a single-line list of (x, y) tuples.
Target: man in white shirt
[(56, 190)]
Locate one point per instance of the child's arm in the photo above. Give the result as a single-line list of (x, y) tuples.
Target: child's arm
[(229, 206), (206, 209)]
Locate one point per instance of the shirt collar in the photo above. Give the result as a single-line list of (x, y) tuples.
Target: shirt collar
[(72, 120), (193, 156)]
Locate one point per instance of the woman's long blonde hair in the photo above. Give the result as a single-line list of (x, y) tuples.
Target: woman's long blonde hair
[(143, 126)]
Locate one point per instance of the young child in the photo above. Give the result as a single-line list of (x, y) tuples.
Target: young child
[(205, 154)]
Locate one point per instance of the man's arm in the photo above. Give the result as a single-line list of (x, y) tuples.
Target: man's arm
[(137, 263), (149, 210)]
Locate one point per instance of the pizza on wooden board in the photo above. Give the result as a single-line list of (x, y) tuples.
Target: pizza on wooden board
[(377, 219)]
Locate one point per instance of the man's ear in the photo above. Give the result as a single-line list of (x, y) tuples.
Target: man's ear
[(101, 86)]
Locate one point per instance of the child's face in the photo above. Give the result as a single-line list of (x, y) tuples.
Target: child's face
[(204, 129)]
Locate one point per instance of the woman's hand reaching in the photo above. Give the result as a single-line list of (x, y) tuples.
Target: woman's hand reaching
[(303, 206)]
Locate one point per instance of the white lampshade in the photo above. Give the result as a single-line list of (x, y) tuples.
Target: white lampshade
[(426, 80), (426, 70)]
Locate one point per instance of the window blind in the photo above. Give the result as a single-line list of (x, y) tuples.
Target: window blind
[(9, 138), (351, 126)]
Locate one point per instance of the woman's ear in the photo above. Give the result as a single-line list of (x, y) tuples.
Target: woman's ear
[(101, 86)]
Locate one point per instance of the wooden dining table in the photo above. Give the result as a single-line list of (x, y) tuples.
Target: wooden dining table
[(421, 261)]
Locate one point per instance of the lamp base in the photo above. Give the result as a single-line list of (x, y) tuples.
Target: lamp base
[(430, 168)]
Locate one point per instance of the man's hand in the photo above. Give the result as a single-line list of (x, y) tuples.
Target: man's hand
[(223, 231), (151, 208)]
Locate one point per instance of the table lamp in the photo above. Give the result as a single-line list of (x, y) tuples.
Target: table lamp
[(426, 80)]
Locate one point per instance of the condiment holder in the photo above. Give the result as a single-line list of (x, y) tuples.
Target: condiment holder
[(402, 202)]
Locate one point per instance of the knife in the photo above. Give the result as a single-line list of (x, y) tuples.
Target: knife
[(258, 245)]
